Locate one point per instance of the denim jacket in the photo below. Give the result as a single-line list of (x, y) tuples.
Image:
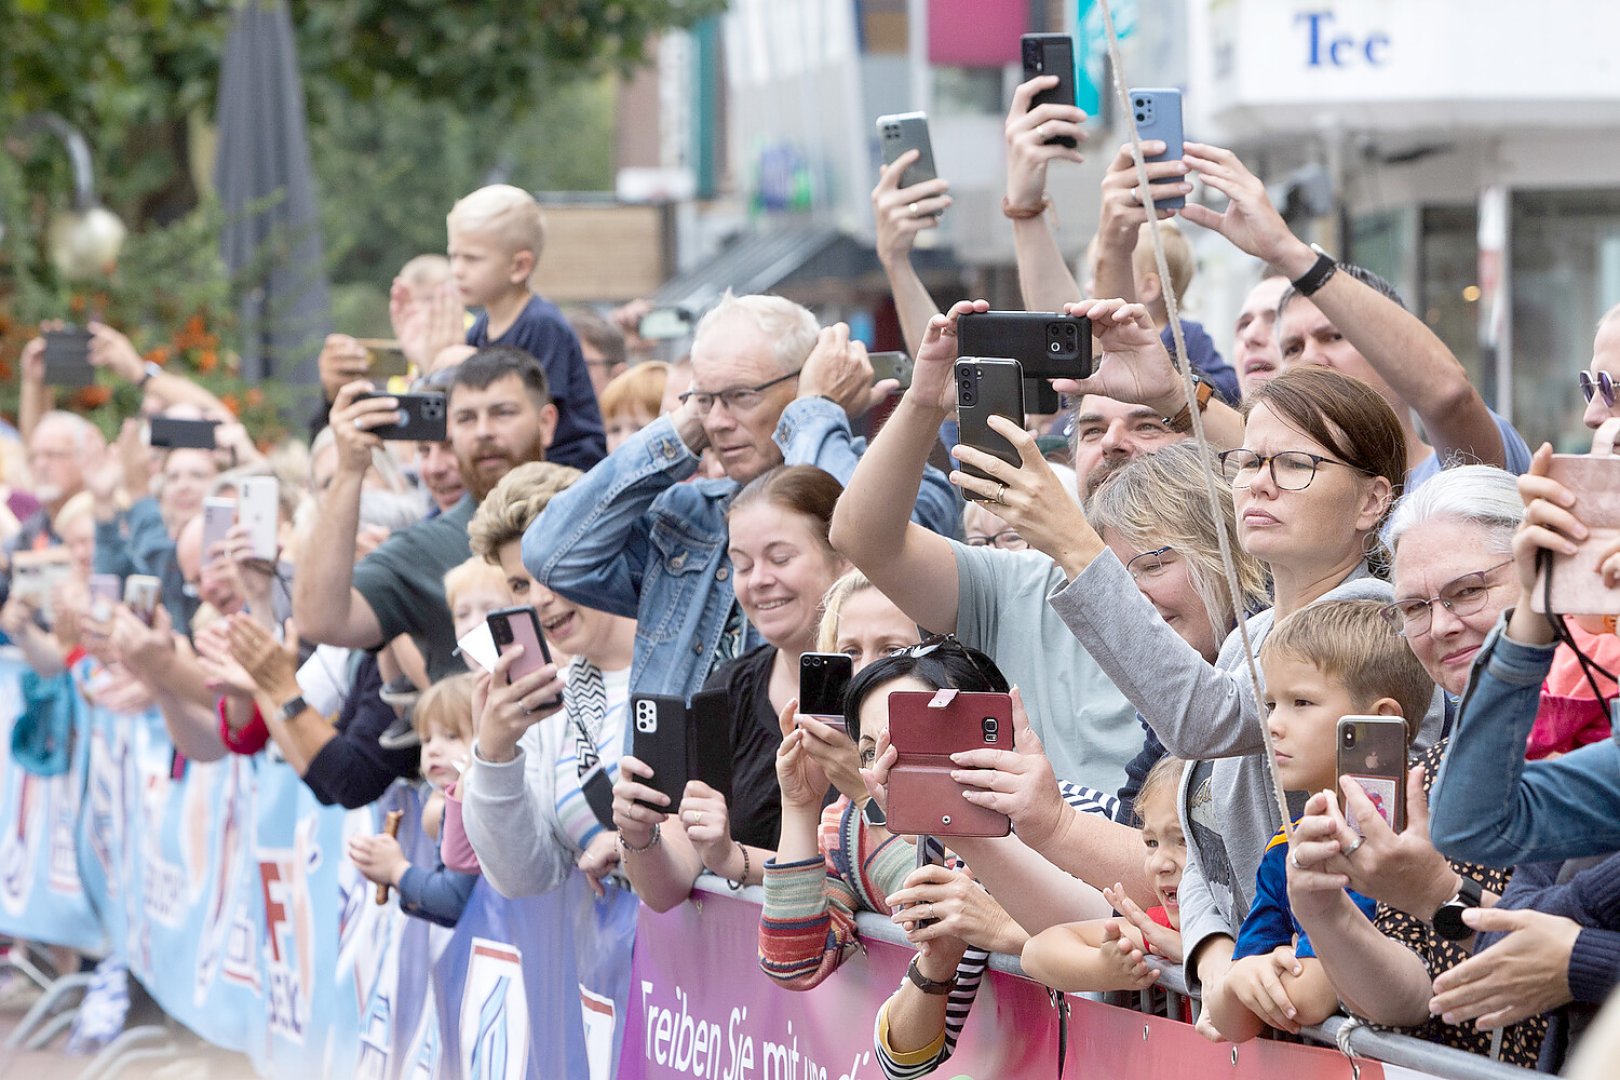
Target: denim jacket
[(629, 538), (1491, 806)]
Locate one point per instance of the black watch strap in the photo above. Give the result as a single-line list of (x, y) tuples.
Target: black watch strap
[(1448, 920), (1321, 270), (293, 707)]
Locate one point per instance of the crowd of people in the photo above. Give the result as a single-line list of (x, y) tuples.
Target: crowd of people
[(701, 525)]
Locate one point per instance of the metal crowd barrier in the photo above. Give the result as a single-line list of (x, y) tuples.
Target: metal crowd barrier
[(1351, 1037)]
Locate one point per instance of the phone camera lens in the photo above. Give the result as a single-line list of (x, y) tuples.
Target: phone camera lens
[(1057, 346), (1139, 103), (1141, 117)]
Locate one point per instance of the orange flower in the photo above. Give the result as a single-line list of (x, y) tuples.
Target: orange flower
[(254, 397), (92, 397), (207, 361), (230, 402), (6, 371), (77, 305), (158, 355)]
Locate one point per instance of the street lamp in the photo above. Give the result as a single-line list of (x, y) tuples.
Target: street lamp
[(83, 242)]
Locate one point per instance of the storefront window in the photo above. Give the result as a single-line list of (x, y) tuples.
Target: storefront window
[(1565, 272)]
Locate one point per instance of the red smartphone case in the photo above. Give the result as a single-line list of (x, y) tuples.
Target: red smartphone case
[(926, 728)]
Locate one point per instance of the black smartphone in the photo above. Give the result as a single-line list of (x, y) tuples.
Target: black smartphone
[(1050, 54), (709, 749), (422, 417), (521, 626), (166, 431), (823, 679), (891, 365), (1049, 346), (659, 738), (1158, 116), (899, 132), (67, 358), (986, 387)]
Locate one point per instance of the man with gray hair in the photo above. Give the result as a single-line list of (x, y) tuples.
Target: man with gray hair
[(63, 449), (768, 388)]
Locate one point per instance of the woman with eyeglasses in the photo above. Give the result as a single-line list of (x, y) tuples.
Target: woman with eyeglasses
[(1322, 459), (1597, 383), (781, 567)]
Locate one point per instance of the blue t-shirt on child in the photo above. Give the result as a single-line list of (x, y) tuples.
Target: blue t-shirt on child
[(541, 331), (1271, 921)]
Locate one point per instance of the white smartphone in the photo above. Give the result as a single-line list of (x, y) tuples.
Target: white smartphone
[(259, 510), (218, 517)]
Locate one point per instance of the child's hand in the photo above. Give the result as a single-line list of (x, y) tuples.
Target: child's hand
[(1126, 959), (379, 858), (1164, 941), (1256, 982)]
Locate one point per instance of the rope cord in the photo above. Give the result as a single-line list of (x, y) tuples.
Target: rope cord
[(1172, 306)]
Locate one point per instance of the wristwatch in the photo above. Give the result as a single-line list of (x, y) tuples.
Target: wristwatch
[(1448, 921), (1182, 421), (927, 985), (292, 708), (1317, 276), (149, 371)]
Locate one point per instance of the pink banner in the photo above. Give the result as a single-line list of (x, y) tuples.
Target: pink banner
[(972, 33), (701, 1007)]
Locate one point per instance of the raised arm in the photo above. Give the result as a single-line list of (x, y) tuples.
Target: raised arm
[(871, 525), (1044, 277), (326, 605), (1400, 347), (110, 349), (900, 214), (1121, 215)]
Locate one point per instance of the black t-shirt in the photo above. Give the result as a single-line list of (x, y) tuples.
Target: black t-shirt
[(403, 581), (756, 798)]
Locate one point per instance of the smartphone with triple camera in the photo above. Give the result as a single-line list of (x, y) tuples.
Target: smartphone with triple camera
[(891, 365), (986, 387), (899, 132), (1050, 54), (823, 680), (422, 417), (1372, 752), (67, 358), (170, 433), (1157, 111), (141, 595), (926, 728)]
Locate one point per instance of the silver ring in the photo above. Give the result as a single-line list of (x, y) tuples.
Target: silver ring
[(1001, 493), (357, 425), (1355, 847), (1293, 860), (1040, 130), (912, 209), (528, 710)]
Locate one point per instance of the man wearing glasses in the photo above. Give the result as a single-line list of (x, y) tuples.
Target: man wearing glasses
[(1597, 385), (768, 388)]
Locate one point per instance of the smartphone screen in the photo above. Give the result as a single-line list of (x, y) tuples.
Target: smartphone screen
[(823, 679)]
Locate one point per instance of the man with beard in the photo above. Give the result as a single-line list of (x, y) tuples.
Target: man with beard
[(500, 416)]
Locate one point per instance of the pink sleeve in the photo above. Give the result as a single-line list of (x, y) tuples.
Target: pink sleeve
[(454, 847)]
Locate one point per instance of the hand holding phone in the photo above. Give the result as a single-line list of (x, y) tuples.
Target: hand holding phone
[(900, 132), (1372, 752), (987, 387), (1050, 54), (1157, 112), (1571, 584), (520, 626), (67, 358), (823, 681), (422, 417), (926, 728)]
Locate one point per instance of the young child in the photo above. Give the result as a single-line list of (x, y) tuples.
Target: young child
[(472, 590), (1323, 662), (496, 234), (1111, 954), (438, 894)]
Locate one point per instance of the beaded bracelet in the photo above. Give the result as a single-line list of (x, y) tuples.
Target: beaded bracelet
[(737, 886)]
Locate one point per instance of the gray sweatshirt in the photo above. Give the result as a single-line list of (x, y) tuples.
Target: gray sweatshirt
[(1200, 711)]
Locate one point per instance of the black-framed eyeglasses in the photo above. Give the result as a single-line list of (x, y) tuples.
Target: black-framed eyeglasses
[(1291, 470), (1006, 540), (738, 399), (1598, 382), (1149, 564), (1461, 596)]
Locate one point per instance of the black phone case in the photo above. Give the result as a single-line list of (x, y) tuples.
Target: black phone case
[(67, 358), (660, 737), (986, 387), (710, 749), (598, 791), (168, 432), (823, 679), (423, 417), (1050, 54), (908, 131)]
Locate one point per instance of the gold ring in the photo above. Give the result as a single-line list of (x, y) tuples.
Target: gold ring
[(697, 817), (1001, 493)]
